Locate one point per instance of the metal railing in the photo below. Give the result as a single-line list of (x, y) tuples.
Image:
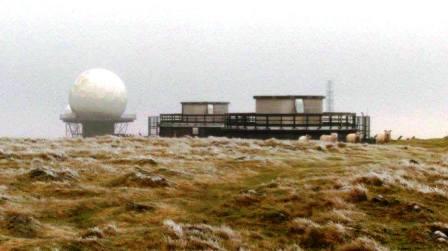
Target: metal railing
[(192, 119), (306, 121)]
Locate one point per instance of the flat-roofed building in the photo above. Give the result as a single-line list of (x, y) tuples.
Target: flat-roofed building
[(205, 107)]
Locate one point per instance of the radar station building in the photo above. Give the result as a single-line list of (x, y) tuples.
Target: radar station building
[(283, 117)]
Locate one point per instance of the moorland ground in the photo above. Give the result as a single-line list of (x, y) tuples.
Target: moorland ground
[(136, 193)]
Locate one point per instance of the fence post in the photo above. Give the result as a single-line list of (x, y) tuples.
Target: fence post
[(149, 127), (331, 122), (306, 122)]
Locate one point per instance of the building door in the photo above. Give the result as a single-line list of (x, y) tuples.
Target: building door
[(210, 109), (299, 106)]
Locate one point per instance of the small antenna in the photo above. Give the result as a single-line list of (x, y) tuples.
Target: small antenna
[(330, 96)]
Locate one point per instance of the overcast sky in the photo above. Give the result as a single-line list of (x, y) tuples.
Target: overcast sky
[(387, 58)]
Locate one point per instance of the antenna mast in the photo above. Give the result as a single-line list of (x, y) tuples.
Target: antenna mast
[(330, 96)]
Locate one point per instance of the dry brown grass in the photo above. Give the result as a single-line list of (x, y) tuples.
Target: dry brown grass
[(362, 244), (221, 194)]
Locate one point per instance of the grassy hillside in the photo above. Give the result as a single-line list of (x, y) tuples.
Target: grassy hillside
[(222, 194)]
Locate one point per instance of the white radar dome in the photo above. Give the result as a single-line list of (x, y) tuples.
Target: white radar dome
[(98, 94)]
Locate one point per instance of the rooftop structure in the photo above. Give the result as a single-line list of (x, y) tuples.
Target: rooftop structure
[(288, 104), (196, 119), (205, 107)]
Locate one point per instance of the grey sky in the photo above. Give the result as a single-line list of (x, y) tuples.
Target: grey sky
[(387, 59)]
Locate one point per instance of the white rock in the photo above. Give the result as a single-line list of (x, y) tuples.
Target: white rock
[(439, 234)]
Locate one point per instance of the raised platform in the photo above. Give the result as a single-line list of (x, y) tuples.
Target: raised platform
[(248, 134), (262, 126), (91, 127)]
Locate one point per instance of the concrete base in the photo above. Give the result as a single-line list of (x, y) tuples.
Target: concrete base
[(248, 134), (98, 128), (174, 132)]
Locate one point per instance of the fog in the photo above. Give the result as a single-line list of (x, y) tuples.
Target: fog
[(387, 59)]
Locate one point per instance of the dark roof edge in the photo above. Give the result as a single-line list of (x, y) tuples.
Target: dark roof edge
[(205, 102), (289, 97), (74, 119)]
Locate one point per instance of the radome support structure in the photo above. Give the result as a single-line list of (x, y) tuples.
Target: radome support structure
[(75, 126)]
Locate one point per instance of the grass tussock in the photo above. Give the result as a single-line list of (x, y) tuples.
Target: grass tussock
[(362, 244), (201, 237), (315, 235), (357, 193), (22, 225), (50, 174), (137, 179)]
